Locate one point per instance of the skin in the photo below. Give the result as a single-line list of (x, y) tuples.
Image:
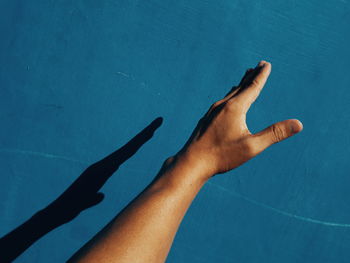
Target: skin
[(221, 141)]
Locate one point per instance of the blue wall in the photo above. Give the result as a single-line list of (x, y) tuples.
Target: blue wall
[(79, 78)]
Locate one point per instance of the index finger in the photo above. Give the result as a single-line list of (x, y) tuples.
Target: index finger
[(252, 90)]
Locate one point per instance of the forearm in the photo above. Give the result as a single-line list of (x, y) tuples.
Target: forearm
[(145, 229), (221, 141)]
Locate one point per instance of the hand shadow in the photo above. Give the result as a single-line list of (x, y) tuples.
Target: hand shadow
[(82, 194)]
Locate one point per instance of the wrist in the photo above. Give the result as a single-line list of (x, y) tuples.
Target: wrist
[(184, 167), (177, 177), (199, 161)]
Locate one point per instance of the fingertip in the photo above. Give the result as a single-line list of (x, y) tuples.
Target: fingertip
[(263, 64), (295, 126)]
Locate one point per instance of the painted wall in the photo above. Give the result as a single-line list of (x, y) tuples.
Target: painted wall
[(79, 78)]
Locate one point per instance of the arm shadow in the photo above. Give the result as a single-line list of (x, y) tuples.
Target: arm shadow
[(82, 194)]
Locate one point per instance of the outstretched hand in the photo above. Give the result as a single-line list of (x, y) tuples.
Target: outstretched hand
[(222, 141), (145, 229)]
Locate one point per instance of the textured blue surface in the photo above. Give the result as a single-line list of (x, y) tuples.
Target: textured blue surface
[(79, 78)]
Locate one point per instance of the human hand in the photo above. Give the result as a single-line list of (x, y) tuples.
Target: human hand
[(222, 141)]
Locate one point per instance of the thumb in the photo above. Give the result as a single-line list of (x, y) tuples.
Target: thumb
[(275, 133)]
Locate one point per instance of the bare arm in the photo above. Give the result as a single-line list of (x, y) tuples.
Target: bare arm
[(145, 229)]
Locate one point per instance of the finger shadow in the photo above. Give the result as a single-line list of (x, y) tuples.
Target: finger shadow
[(82, 194)]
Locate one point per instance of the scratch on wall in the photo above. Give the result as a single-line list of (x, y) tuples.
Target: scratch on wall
[(41, 154), (59, 157), (124, 74), (230, 192), (276, 210), (143, 84)]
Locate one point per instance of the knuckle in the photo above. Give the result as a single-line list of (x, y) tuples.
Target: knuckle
[(211, 109), (248, 148), (215, 104), (278, 133), (231, 105), (255, 83)]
